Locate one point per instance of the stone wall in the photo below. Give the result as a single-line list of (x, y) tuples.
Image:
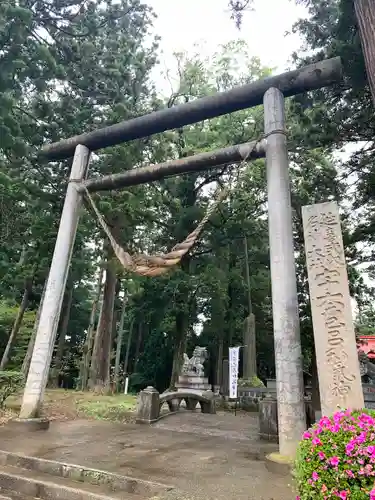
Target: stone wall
[(249, 397), (369, 395)]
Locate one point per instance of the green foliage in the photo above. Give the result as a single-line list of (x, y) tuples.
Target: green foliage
[(114, 408), (252, 382), (336, 457), (70, 67), (155, 364), (10, 383), (365, 323), (8, 313), (339, 117), (63, 72)]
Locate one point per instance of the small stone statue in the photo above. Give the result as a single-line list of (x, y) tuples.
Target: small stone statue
[(194, 365)]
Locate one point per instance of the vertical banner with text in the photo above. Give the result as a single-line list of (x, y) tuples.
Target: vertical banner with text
[(234, 356)]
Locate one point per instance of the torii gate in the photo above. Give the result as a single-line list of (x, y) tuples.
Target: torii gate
[(271, 91)]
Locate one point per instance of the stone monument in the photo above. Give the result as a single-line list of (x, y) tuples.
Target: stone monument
[(335, 343), (192, 377)]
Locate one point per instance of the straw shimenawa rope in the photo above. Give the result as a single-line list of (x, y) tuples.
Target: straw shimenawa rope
[(156, 265)]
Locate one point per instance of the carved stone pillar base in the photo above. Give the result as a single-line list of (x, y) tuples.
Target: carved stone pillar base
[(29, 424), (279, 464)]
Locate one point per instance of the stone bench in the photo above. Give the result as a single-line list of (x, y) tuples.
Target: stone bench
[(150, 403)]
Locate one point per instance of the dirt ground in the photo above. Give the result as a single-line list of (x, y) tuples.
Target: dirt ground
[(204, 456)]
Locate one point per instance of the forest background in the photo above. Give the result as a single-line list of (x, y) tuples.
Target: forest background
[(69, 66)]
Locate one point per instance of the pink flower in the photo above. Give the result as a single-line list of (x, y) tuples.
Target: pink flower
[(321, 455), (350, 473), (306, 435), (324, 421), (338, 416), (361, 438), (349, 448), (324, 488), (343, 494), (315, 476), (316, 441), (334, 461), (372, 494)]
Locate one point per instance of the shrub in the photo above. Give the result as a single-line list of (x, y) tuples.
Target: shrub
[(251, 382), (336, 458), (10, 383)]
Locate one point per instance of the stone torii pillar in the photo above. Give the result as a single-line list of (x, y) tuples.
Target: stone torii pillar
[(50, 312), (288, 354)]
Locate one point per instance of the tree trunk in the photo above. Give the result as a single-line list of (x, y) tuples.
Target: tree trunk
[(128, 346), (138, 345), (249, 350), (249, 340), (247, 273), (56, 370), (115, 323), (219, 363), (230, 313), (30, 347), (230, 318), (365, 14), (17, 323), (87, 348), (180, 347), (120, 336), (101, 356)]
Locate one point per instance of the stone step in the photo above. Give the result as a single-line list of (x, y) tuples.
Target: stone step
[(45, 487), (107, 481), (13, 495)]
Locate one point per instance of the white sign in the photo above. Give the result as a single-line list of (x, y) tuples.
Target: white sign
[(234, 356)]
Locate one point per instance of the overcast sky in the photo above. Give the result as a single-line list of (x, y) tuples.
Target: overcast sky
[(182, 23)]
